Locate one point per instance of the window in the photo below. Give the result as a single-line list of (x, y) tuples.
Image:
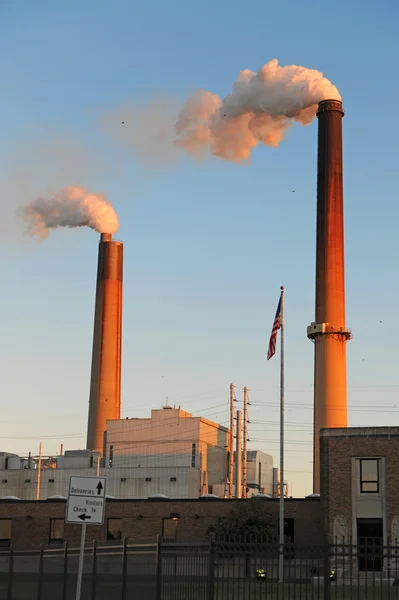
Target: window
[(56, 531), (369, 476), (193, 455), (148, 478), (173, 478), (111, 456), (114, 529), (51, 480), (27, 480), (5, 533), (4, 481)]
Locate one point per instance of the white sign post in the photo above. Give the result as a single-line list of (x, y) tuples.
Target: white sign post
[(86, 506)]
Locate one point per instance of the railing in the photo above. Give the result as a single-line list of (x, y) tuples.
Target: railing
[(205, 570)]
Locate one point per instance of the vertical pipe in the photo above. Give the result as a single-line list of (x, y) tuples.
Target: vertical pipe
[(211, 571), (40, 582), (124, 569), (329, 332), (105, 385), (281, 556), (81, 560), (94, 571), (231, 441), (245, 436), (39, 473), (61, 449), (239, 455), (10, 575), (158, 592), (65, 576)]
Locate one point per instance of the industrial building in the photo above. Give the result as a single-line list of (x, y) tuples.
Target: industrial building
[(172, 453), (358, 504)]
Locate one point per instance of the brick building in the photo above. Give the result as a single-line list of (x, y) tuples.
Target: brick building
[(31, 523), (360, 485)]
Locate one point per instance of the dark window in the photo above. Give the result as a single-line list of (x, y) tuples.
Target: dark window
[(148, 478), (369, 475), (169, 527), (111, 456), (27, 480), (370, 551), (114, 529), (193, 455), (56, 531), (4, 480), (51, 480), (5, 532), (173, 478), (123, 479), (289, 528)]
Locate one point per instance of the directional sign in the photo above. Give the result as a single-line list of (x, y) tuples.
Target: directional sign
[(86, 501)]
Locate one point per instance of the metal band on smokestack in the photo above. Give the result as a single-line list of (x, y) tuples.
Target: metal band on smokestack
[(105, 385), (329, 331)]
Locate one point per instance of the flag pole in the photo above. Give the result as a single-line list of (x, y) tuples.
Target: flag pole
[(281, 541)]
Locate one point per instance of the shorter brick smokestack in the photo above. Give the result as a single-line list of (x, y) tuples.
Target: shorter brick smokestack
[(105, 385)]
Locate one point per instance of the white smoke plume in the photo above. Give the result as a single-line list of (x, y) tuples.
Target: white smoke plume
[(260, 108), (71, 207)]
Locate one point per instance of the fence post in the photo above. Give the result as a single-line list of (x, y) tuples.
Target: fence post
[(65, 580), (211, 570), (40, 582), (124, 569), (327, 586), (94, 571), (158, 593), (10, 575)]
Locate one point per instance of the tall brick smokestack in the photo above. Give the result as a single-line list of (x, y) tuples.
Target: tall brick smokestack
[(329, 331), (105, 385)]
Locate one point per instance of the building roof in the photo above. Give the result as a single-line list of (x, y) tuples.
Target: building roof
[(379, 432)]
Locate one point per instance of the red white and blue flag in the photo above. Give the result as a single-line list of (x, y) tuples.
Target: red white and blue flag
[(273, 338)]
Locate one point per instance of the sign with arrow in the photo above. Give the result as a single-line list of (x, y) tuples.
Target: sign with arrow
[(86, 501)]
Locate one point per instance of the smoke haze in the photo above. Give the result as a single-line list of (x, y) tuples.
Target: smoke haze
[(43, 161), (148, 132), (260, 108), (72, 207)]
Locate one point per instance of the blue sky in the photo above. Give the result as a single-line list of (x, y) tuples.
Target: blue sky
[(207, 246)]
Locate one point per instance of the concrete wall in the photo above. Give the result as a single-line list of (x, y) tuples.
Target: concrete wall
[(143, 519), (265, 483), (121, 482)]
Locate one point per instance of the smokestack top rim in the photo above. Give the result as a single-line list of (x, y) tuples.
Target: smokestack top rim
[(330, 105), (107, 238)]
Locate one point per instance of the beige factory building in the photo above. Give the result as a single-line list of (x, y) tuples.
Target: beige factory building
[(171, 453)]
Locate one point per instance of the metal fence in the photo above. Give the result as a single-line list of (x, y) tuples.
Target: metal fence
[(212, 570)]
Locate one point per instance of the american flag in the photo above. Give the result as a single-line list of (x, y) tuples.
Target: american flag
[(276, 326)]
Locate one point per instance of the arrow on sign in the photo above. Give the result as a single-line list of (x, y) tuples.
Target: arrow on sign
[(84, 517), (99, 488)]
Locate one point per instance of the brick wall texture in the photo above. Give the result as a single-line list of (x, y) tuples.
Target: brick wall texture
[(336, 474), (142, 519)]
